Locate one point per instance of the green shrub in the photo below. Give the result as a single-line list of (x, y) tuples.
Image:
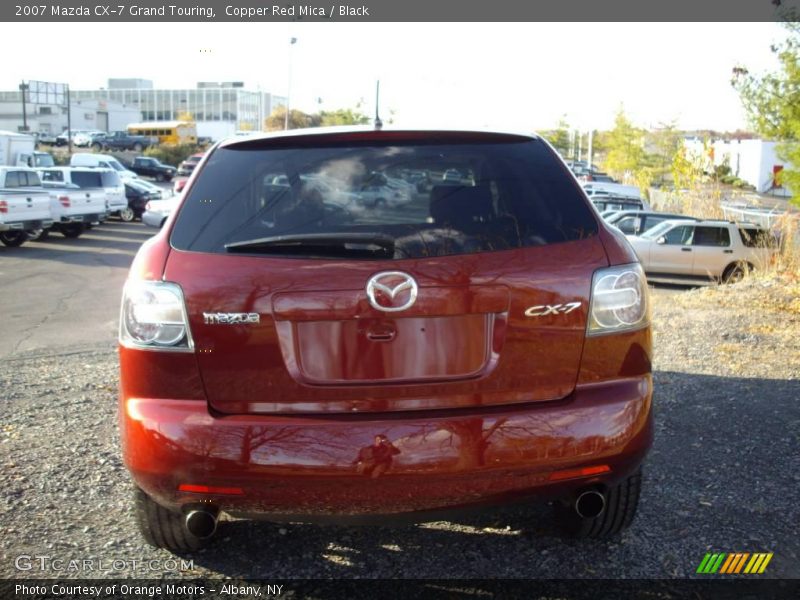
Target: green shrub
[(722, 171), (172, 155)]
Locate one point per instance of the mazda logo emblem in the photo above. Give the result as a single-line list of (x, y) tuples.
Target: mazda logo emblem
[(392, 291)]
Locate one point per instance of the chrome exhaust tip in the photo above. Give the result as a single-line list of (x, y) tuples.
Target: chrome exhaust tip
[(201, 523), (590, 504)]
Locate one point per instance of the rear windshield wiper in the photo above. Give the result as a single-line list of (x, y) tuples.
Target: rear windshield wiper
[(318, 243)]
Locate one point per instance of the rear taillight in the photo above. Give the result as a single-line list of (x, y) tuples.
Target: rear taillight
[(64, 200), (153, 317), (619, 300), (147, 206), (3, 207)]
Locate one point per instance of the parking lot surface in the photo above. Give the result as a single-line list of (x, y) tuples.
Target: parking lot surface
[(722, 475)]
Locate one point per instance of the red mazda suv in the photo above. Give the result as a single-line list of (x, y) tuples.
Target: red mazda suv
[(314, 336)]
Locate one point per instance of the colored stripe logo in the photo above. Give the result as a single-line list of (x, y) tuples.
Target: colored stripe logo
[(734, 563)]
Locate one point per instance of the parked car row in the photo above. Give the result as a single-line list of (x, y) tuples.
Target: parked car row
[(34, 202), (101, 140), (30, 209), (586, 172)]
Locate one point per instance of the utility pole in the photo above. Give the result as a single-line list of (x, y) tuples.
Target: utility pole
[(69, 123), (589, 150), (23, 87), (292, 42), (378, 122)]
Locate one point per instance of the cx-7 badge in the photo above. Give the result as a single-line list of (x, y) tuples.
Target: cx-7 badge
[(554, 309)]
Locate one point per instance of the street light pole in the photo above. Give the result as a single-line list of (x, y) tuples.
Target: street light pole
[(292, 42), (23, 87)]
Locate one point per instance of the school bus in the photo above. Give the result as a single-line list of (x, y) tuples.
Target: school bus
[(167, 132)]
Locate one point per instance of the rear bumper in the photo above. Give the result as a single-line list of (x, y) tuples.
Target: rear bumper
[(321, 466), (89, 218), (153, 219), (26, 225)]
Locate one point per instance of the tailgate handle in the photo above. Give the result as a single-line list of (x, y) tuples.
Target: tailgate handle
[(381, 334), (686, 249), (727, 251)]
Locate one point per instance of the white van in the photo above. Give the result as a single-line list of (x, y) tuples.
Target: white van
[(89, 178), (105, 161)]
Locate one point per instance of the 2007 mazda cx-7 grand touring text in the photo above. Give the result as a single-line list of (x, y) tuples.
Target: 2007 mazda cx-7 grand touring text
[(338, 324)]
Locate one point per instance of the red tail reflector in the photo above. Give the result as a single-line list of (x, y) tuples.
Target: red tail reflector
[(3, 207), (210, 489), (64, 201), (582, 472)]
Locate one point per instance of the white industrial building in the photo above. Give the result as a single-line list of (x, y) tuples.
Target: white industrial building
[(753, 161), (89, 115), (220, 109)]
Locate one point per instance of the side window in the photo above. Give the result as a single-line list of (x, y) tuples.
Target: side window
[(32, 179), (12, 179), (629, 225), (757, 238), (711, 236), (652, 221), (680, 236), (84, 179)]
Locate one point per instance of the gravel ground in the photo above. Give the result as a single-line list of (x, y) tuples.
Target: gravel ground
[(722, 475)]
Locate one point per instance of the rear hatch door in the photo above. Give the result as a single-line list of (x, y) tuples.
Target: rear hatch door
[(468, 295)]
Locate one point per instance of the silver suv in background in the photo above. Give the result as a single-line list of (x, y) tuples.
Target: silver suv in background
[(637, 222), (681, 250)]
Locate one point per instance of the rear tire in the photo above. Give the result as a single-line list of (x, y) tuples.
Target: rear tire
[(12, 239), (620, 509), (97, 147), (72, 230), (127, 214), (735, 273), (163, 528), (137, 148)]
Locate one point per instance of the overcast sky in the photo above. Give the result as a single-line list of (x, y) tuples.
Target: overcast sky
[(516, 75)]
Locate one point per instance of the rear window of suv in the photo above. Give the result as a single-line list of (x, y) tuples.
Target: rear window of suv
[(87, 179), (757, 238), (370, 200)]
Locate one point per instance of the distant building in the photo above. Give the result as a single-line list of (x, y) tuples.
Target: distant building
[(93, 115), (219, 108), (751, 160), (126, 84)]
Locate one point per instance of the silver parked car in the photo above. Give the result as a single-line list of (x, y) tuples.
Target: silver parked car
[(702, 251), (637, 222)]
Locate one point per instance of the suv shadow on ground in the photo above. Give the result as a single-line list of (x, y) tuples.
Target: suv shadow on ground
[(720, 478)]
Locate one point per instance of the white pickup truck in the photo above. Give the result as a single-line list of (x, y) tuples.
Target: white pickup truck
[(70, 208), (97, 180), (22, 210)]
